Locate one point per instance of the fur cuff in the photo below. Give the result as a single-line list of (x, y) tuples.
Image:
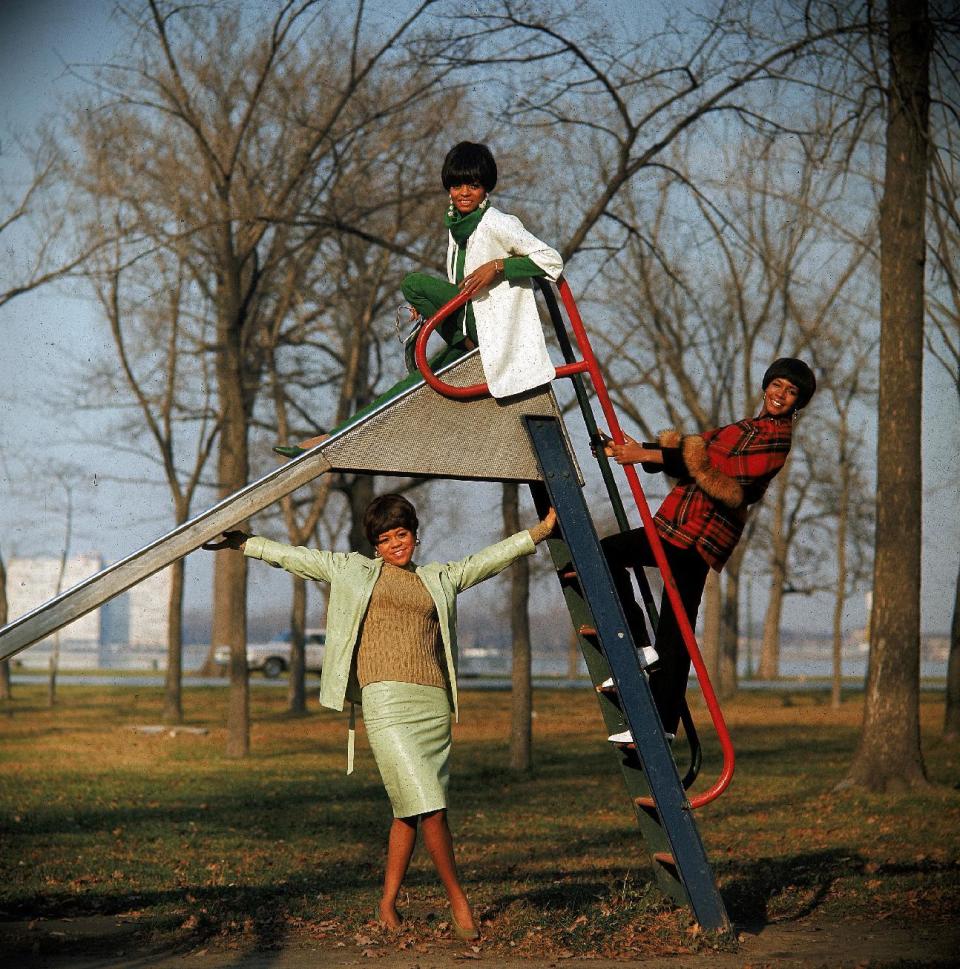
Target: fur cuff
[(669, 438), (719, 486)]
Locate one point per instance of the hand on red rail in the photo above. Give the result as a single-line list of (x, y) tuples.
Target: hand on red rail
[(630, 452), (482, 277)]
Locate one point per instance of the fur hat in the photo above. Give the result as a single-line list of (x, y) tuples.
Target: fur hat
[(798, 373)]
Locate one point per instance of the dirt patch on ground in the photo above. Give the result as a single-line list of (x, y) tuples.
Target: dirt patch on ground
[(108, 943)]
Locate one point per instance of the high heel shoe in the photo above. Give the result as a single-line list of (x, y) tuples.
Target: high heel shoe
[(467, 935), (290, 450)]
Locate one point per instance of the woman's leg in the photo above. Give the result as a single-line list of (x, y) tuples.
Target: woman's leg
[(624, 551), (400, 845), (439, 842), (426, 294), (669, 685)]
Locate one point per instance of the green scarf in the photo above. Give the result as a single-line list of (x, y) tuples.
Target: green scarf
[(461, 226)]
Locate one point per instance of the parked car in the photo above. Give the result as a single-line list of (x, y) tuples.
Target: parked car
[(273, 658)]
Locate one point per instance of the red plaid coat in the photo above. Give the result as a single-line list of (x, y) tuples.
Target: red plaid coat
[(751, 452)]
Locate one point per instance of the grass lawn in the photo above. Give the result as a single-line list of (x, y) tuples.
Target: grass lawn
[(168, 834)]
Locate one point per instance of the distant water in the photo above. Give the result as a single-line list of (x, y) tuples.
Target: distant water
[(498, 666), (854, 667)]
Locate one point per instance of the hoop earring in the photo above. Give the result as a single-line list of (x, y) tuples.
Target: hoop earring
[(796, 416), (484, 203), (376, 553)]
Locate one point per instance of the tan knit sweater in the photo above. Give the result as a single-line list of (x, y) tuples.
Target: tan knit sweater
[(400, 639)]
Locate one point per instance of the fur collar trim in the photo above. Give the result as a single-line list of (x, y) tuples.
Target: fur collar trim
[(719, 486)]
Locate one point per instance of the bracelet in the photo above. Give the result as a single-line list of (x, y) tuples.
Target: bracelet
[(498, 265)]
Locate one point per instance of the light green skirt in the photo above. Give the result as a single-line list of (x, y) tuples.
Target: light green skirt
[(408, 726)]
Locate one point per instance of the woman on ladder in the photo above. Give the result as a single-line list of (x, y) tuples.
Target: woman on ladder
[(720, 474)]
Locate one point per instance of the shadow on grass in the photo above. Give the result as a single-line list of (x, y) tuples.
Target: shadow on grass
[(176, 920), (750, 886)]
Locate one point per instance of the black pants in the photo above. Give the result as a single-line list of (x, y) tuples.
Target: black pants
[(631, 550)]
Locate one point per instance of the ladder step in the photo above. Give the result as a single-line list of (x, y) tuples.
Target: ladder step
[(568, 575), (587, 631), (607, 687), (666, 859)]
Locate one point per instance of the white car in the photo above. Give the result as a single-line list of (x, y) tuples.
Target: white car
[(273, 658)]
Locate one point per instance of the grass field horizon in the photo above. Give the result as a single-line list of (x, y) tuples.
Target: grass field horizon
[(170, 835)]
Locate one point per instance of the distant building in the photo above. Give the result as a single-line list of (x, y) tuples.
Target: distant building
[(144, 608), (30, 583), (128, 631)]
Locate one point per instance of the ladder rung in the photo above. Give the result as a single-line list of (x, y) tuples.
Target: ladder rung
[(587, 631), (568, 574), (606, 688), (665, 858)]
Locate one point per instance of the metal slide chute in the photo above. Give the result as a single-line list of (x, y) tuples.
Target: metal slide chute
[(415, 433)]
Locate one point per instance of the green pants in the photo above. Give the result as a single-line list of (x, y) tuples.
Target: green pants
[(426, 294)]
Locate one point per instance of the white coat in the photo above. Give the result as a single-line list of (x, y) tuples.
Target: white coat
[(512, 347)]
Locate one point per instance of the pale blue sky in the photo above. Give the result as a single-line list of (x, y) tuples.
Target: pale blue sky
[(46, 336)]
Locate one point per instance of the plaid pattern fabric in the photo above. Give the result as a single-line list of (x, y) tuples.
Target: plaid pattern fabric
[(752, 451)]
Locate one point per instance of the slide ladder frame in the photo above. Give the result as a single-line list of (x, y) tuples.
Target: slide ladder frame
[(663, 811)]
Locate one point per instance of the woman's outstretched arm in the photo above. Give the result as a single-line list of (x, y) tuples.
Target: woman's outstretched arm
[(495, 558)]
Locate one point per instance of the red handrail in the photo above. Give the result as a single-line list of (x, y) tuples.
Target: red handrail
[(589, 365), (471, 391)]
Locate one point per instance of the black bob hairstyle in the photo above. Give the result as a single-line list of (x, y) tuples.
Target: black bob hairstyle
[(387, 512), (798, 373), (466, 163)]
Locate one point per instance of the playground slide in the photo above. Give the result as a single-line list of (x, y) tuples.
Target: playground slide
[(416, 433)]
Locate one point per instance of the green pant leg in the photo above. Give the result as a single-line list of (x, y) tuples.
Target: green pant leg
[(426, 294), (447, 355)]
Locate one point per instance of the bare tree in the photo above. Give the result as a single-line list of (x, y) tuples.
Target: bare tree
[(943, 312), (521, 703), (223, 136), (888, 756), (65, 482), (6, 692), (156, 338), (34, 215)]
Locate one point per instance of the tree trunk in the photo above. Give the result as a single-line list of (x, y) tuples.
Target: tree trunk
[(951, 720), (5, 690), (230, 569), (889, 757), (836, 690), (730, 626), (769, 668), (52, 665), (360, 494), (297, 688), (522, 693), (711, 626), (173, 680)]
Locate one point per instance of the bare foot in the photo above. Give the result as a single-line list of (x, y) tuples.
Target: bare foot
[(313, 441), (389, 916)]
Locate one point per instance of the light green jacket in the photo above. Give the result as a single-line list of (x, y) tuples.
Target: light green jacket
[(352, 577)]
